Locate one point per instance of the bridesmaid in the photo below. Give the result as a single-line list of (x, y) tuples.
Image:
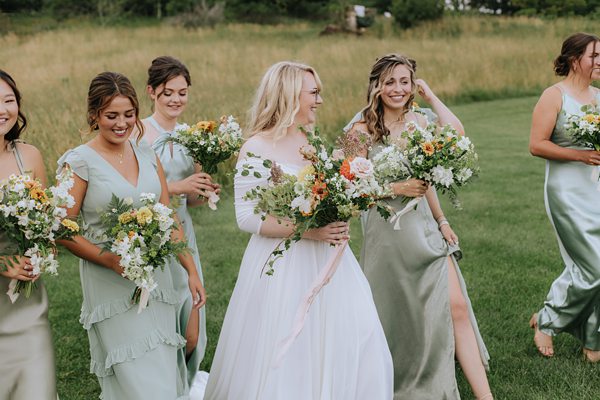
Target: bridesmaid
[(133, 355), (168, 85), (571, 200), (27, 367), (416, 267)]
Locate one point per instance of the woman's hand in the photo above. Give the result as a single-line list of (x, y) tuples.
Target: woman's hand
[(198, 184), (333, 233), (19, 268), (114, 263), (197, 291), (449, 234), (410, 188), (424, 90), (589, 157)]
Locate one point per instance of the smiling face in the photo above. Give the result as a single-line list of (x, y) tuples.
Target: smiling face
[(396, 88), (310, 99), (170, 98), (116, 121), (589, 63), (9, 109)]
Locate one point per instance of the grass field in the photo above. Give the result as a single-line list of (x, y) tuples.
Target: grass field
[(511, 256)]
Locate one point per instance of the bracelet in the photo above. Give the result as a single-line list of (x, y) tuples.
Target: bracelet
[(443, 222), (440, 218), (391, 191)]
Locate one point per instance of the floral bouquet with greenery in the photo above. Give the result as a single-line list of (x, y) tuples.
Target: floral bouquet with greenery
[(439, 156), (210, 143), (332, 187), (584, 129), (33, 218), (142, 238)]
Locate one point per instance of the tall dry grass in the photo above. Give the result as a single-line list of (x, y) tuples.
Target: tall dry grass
[(462, 58)]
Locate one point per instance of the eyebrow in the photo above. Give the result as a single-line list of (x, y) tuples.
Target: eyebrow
[(116, 112)]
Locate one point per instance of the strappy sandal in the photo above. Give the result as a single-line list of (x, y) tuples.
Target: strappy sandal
[(541, 342)]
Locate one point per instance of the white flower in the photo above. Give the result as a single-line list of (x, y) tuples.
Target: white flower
[(361, 167), (147, 197), (442, 176), (464, 143), (128, 201), (302, 204), (464, 174)]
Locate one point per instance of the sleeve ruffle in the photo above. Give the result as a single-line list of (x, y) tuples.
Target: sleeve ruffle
[(76, 161), (247, 219)]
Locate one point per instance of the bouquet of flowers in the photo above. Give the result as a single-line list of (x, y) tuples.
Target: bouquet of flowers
[(142, 238), (210, 143), (34, 218), (333, 187), (585, 129)]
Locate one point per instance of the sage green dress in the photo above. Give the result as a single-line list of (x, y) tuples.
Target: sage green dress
[(178, 166), (133, 355), (573, 206), (408, 273), (27, 357)]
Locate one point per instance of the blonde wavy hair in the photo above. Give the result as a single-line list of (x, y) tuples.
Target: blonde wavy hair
[(277, 99), (372, 114)]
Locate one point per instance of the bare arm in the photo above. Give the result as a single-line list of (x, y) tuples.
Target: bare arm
[(80, 246), (443, 112), (543, 120), (438, 215), (186, 259)]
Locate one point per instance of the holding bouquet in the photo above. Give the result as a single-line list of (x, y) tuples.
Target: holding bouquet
[(142, 238), (209, 144), (34, 218), (331, 188), (584, 130)]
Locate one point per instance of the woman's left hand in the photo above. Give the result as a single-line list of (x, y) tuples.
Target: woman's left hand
[(197, 290), (424, 90), (449, 234)]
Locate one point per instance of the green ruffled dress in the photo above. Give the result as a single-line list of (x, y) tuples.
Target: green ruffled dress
[(133, 355)]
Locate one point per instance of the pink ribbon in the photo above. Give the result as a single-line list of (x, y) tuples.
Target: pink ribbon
[(322, 279), (213, 199)]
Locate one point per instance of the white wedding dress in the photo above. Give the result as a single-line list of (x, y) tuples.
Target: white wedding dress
[(341, 354)]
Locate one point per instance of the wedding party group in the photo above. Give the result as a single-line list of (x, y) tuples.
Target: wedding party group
[(306, 319)]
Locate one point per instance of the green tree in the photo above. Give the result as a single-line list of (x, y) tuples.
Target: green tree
[(410, 12)]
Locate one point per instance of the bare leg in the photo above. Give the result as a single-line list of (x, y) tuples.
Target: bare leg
[(192, 331), (467, 350)]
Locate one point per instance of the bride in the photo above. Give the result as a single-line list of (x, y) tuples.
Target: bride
[(341, 353)]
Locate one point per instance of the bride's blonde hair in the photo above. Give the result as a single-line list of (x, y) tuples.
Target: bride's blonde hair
[(277, 99)]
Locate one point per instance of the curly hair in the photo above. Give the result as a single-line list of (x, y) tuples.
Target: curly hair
[(373, 111)]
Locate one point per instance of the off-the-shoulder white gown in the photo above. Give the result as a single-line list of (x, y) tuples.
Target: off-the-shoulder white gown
[(340, 354)]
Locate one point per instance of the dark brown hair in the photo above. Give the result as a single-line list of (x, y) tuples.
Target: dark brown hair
[(373, 112), (165, 68), (103, 89), (21, 124), (572, 50)]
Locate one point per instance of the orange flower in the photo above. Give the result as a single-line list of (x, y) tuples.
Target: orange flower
[(439, 145), (428, 148), (207, 126), (131, 234), (319, 190), (32, 184), (38, 194), (345, 169)]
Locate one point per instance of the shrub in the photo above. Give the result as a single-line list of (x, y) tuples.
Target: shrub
[(410, 12)]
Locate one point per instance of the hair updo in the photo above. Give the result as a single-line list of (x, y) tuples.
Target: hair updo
[(572, 50)]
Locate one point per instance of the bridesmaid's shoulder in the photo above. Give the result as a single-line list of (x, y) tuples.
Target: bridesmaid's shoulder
[(360, 125), (255, 144), (28, 151), (551, 97)]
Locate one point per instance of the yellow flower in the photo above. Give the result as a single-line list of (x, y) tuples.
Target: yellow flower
[(207, 126), (144, 216), (415, 104), (38, 194), (125, 218), (305, 172), (591, 118), (428, 148), (70, 225), (130, 234)]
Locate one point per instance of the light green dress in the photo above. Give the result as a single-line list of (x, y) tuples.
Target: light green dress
[(178, 166), (408, 273), (27, 357), (573, 206), (133, 355)]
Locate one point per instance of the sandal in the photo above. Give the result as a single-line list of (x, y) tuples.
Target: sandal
[(592, 356), (542, 341)]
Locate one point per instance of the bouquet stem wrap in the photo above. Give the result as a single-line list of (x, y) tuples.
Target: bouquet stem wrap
[(322, 279), (411, 205), (144, 296), (13, 295), (595, 177)]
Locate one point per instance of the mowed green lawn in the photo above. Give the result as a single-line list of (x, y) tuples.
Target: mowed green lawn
[(511, 258)]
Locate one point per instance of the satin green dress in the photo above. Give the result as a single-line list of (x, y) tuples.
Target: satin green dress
[(27, 358), (408, 273), (133, 355), (573, 206), (178, 166)]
